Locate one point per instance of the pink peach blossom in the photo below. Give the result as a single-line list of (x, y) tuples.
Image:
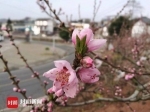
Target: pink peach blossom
[(64, 78), (89, 75), (92, 44), (85, 32)]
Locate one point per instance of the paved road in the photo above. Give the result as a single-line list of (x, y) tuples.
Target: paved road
[(31, 84)]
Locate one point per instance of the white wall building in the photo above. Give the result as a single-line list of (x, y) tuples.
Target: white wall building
[(44, 26), (141, 27)]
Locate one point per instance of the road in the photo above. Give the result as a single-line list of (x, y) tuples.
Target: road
[(30, 84)]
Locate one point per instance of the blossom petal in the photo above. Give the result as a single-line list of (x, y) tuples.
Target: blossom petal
[(56, 86), (85, 32), (59, 64), (72, 78), (63, 63), (96, 44), (88, 33), (71, 91), (51, 74), (74, 35)]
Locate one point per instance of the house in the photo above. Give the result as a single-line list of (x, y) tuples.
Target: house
[(141, 27), (104, 24), (80, 24), (45, 26), (20, 26)]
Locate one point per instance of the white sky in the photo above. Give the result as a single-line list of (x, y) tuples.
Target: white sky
[(18, 9)]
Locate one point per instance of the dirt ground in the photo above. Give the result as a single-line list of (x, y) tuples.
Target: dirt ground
[(142, 106)]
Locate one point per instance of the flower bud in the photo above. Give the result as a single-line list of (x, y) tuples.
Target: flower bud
[(49, 110), (46, 83), (19, 90), (50, 90), (129, 76), (43, 100), (87, 62), (24, 90), (15, 89), (3, 28), (138, 63), (50, 104), (33, 76)]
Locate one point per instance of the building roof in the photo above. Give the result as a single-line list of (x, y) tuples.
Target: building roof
[(146, 20)]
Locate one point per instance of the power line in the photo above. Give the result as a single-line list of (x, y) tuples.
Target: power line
[(19, 9), (113, 8)]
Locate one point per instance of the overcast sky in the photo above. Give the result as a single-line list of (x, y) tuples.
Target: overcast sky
[(18, 9)]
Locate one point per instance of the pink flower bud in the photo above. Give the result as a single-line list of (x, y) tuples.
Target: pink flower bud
[(59, 93), (50, 104), (19, 90), (15, 89), (120, 90), (87, 62), (24, 90), (63, 103), (117, 87), (65, 98), (43, 108), (50, 90), (129, 76), (116, 94), (46, 83), (36, 73), (33, 76), (36, 108), (49, 110), (43, 100), (3, 28), (138, 63)]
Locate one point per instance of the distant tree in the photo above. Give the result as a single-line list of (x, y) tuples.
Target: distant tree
[(9, 25), (118, 24), (64, 34)]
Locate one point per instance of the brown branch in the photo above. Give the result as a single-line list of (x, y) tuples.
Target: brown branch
[(25, 61), (117, 67), (16, 83)]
